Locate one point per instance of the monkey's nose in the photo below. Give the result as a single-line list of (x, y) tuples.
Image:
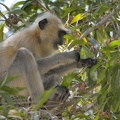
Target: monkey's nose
[(68, 31)]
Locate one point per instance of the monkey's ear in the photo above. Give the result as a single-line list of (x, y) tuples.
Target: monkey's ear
[(43, 23)]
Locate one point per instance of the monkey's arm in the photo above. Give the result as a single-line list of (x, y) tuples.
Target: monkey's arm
[(64, 69), (48, 63)]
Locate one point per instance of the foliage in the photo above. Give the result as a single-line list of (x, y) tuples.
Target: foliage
[(95, 26)]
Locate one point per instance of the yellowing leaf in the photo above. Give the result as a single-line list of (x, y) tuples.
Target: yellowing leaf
[(78, 17), (66, 40), (85, 40), (79, 33)]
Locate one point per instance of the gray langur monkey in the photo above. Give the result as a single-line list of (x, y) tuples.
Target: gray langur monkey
[(30, 54)]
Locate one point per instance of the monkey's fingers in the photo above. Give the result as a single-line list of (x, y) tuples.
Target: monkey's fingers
[(61, 94), (89, 62), (78, 48)]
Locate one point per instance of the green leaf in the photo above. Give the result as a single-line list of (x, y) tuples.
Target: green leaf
[(115, 78), (1, 107), (7, 98), (93, 71), (1, 31), (69, 10), (78, 42), (18, 3), (67, 81), (12, 90), (102, 95), (114, 43), (8, 79), (85, 52), (101, 76), (43, 98), (26, 4), (18, 11), (104, 8), (113, 60)]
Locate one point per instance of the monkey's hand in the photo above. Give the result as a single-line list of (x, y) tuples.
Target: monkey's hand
[(89, 62), (77, 55), (60, 94)]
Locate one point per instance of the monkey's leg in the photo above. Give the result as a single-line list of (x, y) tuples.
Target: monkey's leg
[(25, 66), (53, 77), (56, 60), (61, 93)]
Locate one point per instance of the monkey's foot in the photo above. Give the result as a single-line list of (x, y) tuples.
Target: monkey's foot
[(61, 94)]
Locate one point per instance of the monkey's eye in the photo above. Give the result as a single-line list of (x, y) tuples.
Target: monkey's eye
[(61, 33)]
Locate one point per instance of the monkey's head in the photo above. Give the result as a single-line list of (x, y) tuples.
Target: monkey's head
[(51, 31)]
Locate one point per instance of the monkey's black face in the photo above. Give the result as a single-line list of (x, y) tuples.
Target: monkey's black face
[(54, 32), (59, 41)]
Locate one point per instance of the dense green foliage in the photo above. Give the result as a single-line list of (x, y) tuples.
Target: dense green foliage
[(95, 26)]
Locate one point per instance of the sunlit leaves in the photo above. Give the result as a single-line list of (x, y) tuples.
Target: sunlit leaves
[(78, 17), (114, 43)]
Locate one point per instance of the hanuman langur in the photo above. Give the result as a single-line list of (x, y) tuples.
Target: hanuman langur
[(29, 53)]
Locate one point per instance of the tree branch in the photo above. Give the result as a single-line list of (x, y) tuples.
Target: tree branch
[(42, 6), (109, 16)]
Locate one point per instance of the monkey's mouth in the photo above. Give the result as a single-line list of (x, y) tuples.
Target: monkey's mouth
[(57, 44)]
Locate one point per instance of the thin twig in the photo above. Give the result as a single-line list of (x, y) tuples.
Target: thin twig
[(43, 6), (109, 16), (3, 15), (5, 6)]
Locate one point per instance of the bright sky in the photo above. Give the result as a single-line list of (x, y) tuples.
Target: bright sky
[(7, 3)]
